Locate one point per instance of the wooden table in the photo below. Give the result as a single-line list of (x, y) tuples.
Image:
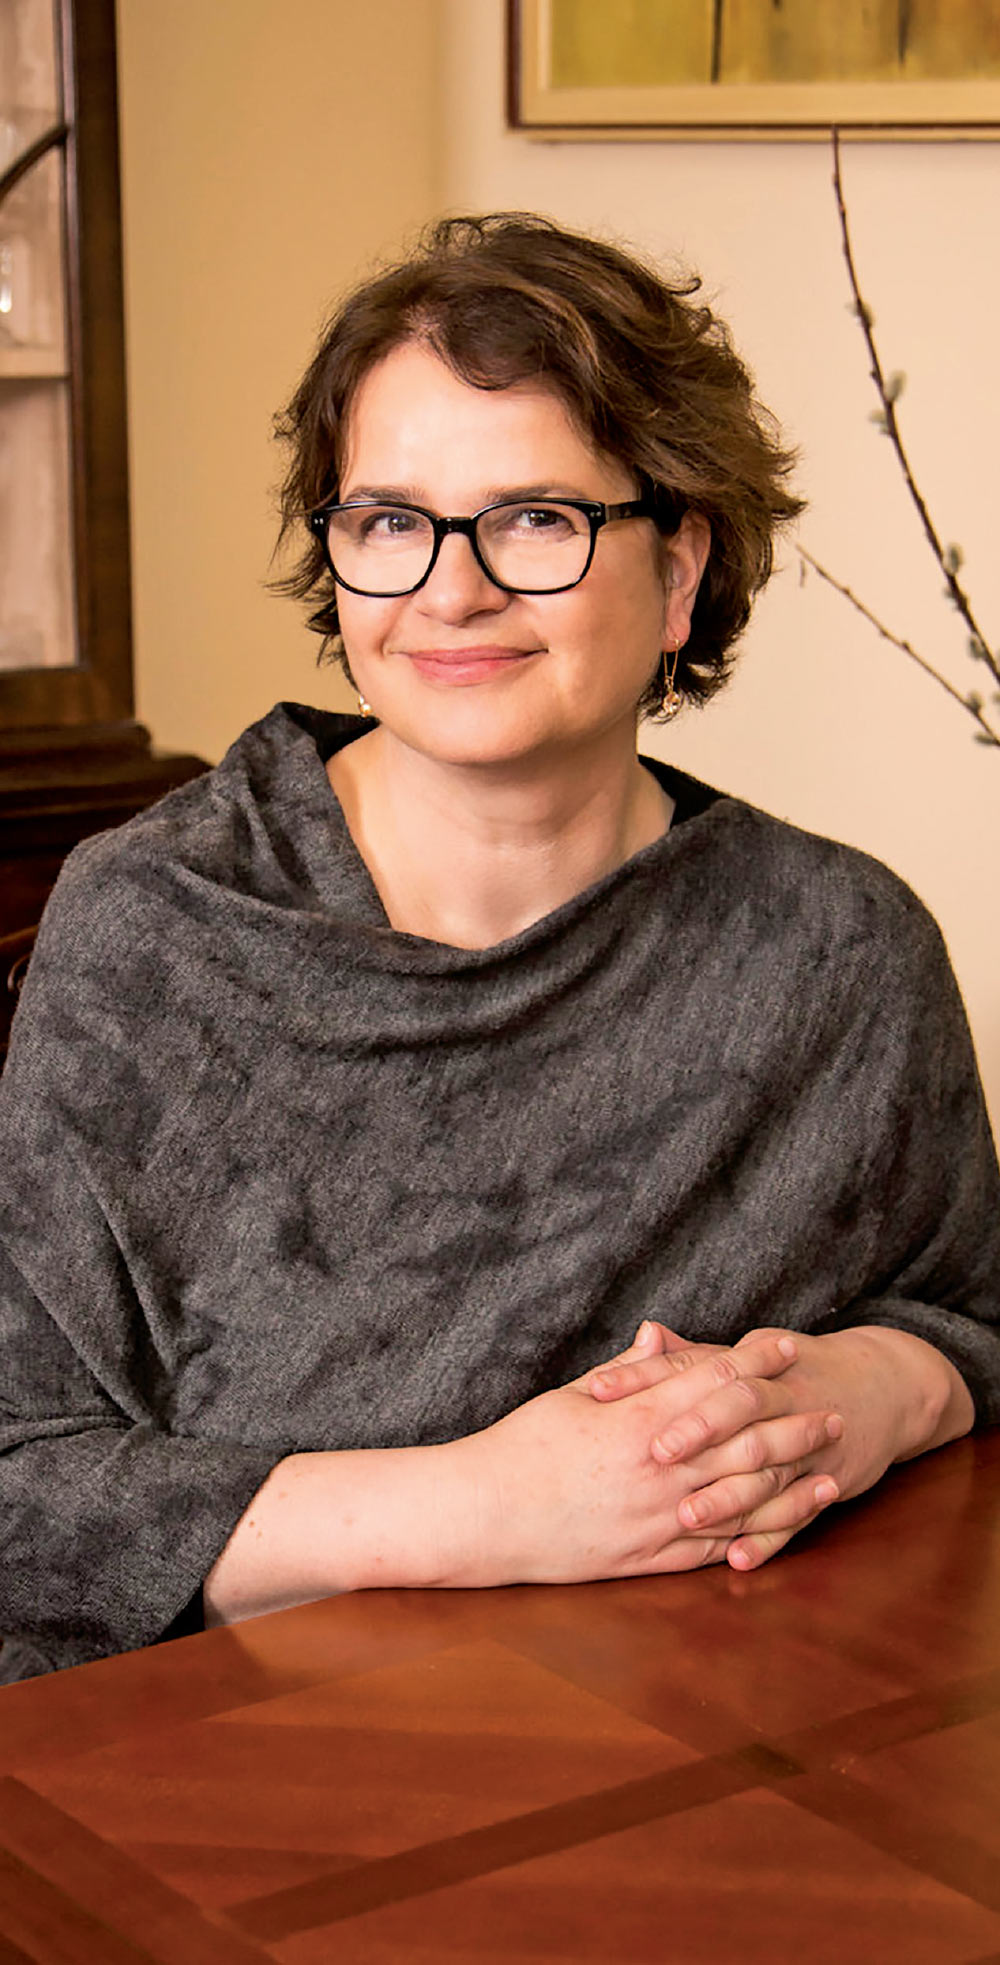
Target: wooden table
[(802, 1764)]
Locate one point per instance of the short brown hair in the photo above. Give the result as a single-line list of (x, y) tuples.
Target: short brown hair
[(649, 377)]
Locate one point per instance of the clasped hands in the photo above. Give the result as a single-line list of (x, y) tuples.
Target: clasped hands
[(677, 1454), (672, 1455), (758, 1457)]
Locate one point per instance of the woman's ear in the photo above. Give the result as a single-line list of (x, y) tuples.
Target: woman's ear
[(685, 558)]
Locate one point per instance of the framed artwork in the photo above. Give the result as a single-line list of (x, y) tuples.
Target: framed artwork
[(754, 68)]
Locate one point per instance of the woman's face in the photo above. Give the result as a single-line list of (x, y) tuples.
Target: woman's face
[(461, 670)]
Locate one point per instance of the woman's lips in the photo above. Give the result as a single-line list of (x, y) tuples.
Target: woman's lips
[(466, 665)]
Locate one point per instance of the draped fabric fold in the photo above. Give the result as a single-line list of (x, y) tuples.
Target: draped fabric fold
[(277, 1178)]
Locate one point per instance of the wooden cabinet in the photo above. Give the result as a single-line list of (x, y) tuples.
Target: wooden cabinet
[(72, 757)]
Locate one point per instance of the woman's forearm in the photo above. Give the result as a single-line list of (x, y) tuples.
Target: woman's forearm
[(325, 1522), (562, 1489), (935, 1404)]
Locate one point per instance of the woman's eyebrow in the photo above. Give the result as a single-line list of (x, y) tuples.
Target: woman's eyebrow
[(549, 489), (408, 494), (386, 494)]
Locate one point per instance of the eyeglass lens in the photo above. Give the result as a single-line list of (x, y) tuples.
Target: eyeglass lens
[(387, 549)]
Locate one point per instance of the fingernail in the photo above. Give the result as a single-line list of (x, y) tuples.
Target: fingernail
[(644, 1332), (834, 1426), (788, 1347), (667, 1446), (739, 1559), (825, 1491), (692, 1512), (602, 1381)]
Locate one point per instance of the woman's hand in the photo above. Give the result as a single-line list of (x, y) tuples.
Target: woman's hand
[(671, 1456), (570, 1488), (895, 1395), (563, 1489)]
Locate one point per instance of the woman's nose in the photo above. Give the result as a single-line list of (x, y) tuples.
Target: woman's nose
[(457, 585)]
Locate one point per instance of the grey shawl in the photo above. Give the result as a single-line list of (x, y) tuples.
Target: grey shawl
[(276, 1177)]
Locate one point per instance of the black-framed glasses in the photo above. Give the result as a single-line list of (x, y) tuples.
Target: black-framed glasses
[(524, 545)]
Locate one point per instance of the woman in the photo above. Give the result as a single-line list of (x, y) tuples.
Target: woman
[(370, 1094)]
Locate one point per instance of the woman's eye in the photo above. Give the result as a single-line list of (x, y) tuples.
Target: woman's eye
[(390, 524), (547, 519)]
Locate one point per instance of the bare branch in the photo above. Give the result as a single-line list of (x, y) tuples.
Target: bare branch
[(889, 391), (971, 704)]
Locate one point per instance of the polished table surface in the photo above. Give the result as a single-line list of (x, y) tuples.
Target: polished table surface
[(799, 1764)]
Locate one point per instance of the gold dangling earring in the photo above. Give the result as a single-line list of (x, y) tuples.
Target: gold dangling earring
[(672, 703), (364, 706)]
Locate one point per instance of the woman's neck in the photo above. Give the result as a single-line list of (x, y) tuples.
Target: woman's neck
[(469, 857)]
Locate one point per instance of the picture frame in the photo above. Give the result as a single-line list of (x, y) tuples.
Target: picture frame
[(730, 69)]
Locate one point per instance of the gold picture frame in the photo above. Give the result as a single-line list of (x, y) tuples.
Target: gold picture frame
[(648, 69)]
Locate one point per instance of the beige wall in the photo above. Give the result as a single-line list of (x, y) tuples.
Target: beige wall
[(272, 150), (824, 725)]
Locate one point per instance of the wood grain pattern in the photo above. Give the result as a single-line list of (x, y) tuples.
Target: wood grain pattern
[(799, 1763)]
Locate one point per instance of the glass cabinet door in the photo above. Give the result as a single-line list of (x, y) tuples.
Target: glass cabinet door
[(73, 760), (65, 592), (37, 624)]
